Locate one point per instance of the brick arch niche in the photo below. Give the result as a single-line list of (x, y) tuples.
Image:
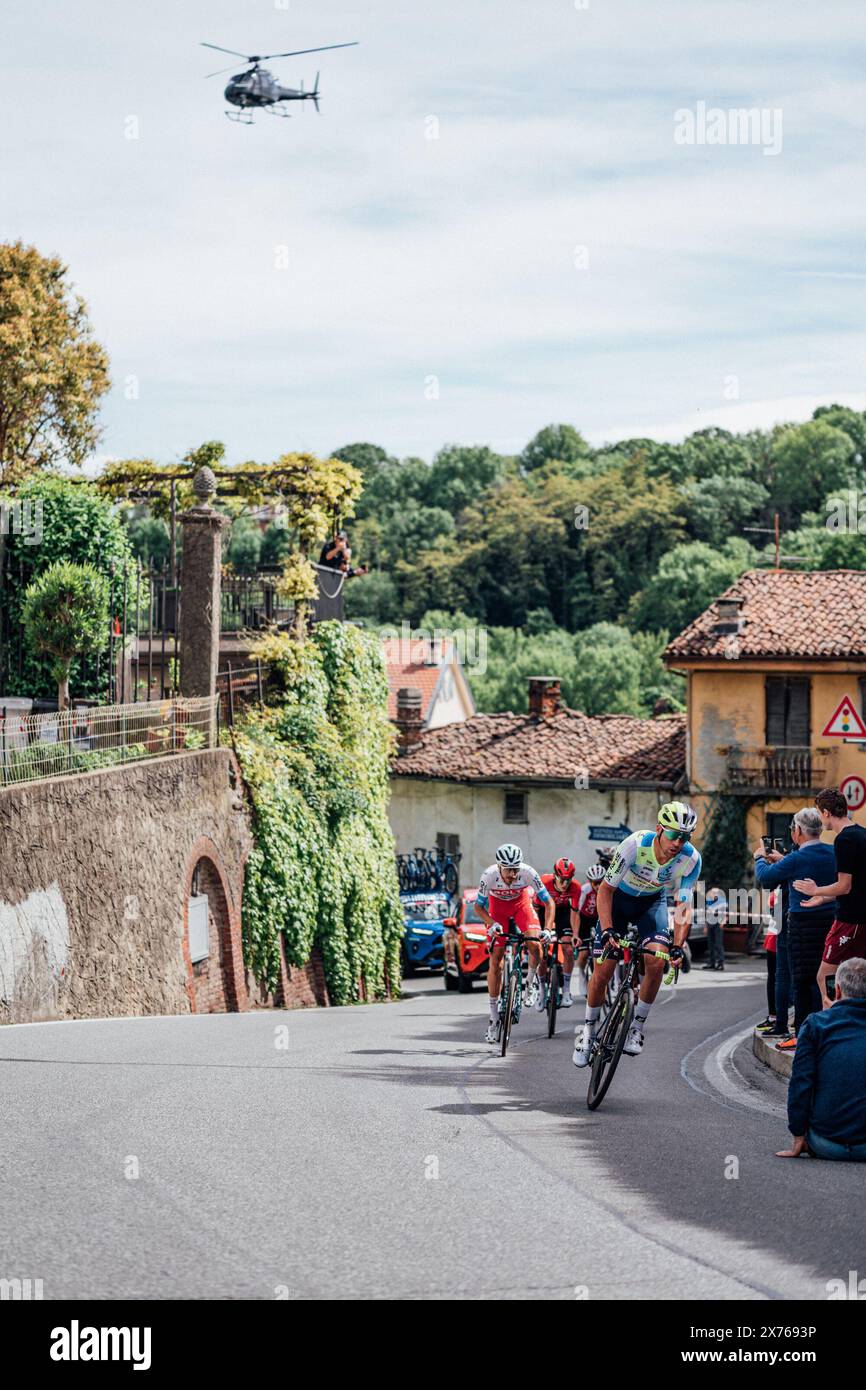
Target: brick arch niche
[(216, 982)]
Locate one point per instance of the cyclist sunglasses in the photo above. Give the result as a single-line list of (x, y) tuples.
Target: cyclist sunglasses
[(677, 834)]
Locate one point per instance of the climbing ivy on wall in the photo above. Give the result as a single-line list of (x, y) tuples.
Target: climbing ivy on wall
[(725, 849), (316, 764)]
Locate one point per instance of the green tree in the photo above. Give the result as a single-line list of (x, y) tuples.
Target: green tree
[(725, 845), (554, 444), (65, 615), (656, 681), (372, 600), (718, 508), (632, 522), (805, 459), (688, 579), (512, 657), (78, 524), (459, 475), (245, 546), (53, 373), (510, 547), (716, 453), (148, 536), (609, 667), (276, 544), (853, 422)]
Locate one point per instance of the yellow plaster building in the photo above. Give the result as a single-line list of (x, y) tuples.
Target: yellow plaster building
[(767, 666)]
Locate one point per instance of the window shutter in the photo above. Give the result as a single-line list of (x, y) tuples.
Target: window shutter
[(787, 706), (797, 722), (515, 808), (775, 723)]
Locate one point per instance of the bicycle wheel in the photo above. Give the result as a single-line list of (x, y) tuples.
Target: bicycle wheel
[(608, 1046), (508, 1015), (553, 997), (451, 881)]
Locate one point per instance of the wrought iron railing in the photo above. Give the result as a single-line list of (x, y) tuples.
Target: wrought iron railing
[(87, 739), (240, 686), (780, 770)]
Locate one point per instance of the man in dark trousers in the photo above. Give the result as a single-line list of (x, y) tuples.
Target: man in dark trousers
[(807, 927), (847, 935), (827, 1091)]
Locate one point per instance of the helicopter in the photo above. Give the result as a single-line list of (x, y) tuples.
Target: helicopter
[(256, 88)]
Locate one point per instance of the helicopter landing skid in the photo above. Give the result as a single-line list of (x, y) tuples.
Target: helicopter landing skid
[(240, 117)]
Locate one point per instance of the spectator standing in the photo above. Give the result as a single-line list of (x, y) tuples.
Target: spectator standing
[(827, 1091), (771, 938), (715, 916), (847, 935), (807, 927)]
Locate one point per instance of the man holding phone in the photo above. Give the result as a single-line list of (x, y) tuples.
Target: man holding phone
[(808, 921)]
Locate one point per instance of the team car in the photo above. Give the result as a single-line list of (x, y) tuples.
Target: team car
[(465, 945), (424, 916)]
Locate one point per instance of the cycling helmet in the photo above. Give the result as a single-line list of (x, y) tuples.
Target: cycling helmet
[(563, 868), (676, 815), (510, 855), (595, 873)]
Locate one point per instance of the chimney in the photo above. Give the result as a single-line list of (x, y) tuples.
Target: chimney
[(408, 719), (728, 616), (544, 696)]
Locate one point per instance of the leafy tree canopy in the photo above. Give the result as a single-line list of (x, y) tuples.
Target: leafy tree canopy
[(53, 372)]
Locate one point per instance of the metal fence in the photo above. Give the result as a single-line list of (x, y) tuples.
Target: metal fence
[(87, 739), (781, 770), (140, 658), (239, 687)]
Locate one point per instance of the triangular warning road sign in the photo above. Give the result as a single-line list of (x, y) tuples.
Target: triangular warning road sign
[(846, 722)]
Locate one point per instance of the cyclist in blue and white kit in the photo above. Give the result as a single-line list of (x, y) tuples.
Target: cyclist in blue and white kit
[(649, 870)]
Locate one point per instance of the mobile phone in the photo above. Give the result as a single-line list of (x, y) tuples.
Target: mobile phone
[(830, 986), (779, 845), (767, 842)]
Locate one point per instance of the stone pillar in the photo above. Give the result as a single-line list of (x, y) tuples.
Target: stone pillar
[(200, 593)]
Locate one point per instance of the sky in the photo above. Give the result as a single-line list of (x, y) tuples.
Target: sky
[(494, 224)]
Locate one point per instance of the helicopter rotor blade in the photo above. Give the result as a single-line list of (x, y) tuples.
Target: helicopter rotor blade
[(298, 51), (219, 71), (219, 49)]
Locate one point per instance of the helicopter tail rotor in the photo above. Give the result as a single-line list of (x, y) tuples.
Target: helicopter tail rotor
[(315, 95)]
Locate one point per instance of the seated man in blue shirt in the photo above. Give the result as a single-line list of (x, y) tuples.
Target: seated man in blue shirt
[(827, 1092), (807, 927)]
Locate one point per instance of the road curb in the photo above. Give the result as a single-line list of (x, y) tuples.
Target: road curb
[(779, 1062)]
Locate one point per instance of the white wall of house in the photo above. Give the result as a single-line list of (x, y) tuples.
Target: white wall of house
[(453, 702), (558, 820)]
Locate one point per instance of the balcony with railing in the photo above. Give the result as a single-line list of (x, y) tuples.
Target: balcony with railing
[(780, 771)]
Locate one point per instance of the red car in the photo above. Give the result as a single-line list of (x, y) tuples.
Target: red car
[(465, 945)]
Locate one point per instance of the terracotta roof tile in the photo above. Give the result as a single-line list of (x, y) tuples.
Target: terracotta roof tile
[(406, 664), (516, 747), (816, 614)]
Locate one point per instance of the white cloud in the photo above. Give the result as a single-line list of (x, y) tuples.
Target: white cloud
[(455, 256)]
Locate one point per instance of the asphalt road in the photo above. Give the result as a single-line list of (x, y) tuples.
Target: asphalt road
[(385, 1152)]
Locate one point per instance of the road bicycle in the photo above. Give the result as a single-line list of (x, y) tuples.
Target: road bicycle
[(426, 870), (553, 981), (511, 993), (610, 1039)]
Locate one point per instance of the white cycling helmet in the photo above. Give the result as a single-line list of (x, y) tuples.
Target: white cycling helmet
[(595, 873), (510, 855), (676, 815)]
